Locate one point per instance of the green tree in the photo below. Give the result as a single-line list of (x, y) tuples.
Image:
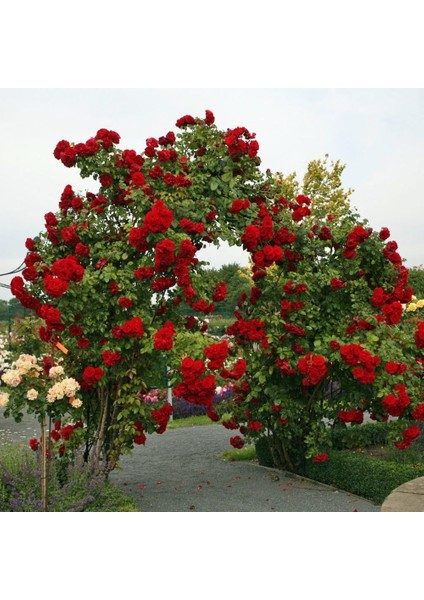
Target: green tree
[(416, 279)]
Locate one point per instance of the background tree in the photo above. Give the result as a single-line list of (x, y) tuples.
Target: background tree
[(416, 279)]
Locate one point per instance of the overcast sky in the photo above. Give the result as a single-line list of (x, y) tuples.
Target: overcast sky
[(377, 133)]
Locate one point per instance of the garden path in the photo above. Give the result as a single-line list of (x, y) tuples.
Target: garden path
[(181, 471)]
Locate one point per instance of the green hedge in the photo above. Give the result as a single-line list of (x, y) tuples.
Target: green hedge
[(355, 472), (361, 436), (359, 474)]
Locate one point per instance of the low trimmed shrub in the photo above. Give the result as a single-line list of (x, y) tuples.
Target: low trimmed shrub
[(361, 436), (363, 475)]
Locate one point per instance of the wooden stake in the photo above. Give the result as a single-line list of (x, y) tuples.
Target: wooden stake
[(43, 464)]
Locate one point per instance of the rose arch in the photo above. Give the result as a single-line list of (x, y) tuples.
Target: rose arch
[(119, 289)]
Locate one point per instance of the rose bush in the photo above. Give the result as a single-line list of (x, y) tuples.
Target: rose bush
[(324, 333), (112, 271)]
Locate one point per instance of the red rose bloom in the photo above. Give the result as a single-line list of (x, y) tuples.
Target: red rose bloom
[(69, 268), (209, 119), (75, 330), (319, 458), (254, 425), (140, 439), (111, 358), (34, 444), (91, 375), (351, 416), (144, 273), (392, 312), (239, 205), (55, 435), (220, 292), (251, 237), (54, 286), (411, 433), (159, 218), (66, 432), (164, 255), (125, 302), (133, 327), (237, 442), (419, 335), (185, 120), (418, 412), (216, 353), (163, 337), (337, 284), (83, 343), (314, 367), (106, 180), (191, 227)]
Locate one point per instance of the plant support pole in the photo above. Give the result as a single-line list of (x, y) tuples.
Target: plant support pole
[(43, 464)]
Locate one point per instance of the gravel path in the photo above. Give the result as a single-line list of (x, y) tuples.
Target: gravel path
[(181, 471)]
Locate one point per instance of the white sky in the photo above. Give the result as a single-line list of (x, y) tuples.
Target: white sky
[(378, 133)]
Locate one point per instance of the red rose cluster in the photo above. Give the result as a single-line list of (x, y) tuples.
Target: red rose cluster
[(314, 367), (408, 436), (163, 337), (161, 416), (92, 375), (216, 354), (351, 416), (237, 442), (238, 370), (395, 405), (240, 141), (194, 388), (356, 237), (111, 358), (238, 205), (363, 362), (419, 335), (247, 330), (140, 437), (133, 327), (159, 218)]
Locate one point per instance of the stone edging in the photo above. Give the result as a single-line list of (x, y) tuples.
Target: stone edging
[(408, 497)]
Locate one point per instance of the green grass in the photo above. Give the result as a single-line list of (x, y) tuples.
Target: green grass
[(189, 422), (248, 453)]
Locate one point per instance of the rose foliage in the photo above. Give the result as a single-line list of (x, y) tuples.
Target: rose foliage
[(317, 341)]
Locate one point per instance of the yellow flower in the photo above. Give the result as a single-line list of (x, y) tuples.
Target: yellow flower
[(420, 303), (411, 307)]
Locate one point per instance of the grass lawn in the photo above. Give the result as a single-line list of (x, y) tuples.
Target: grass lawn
[(189, 422)]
